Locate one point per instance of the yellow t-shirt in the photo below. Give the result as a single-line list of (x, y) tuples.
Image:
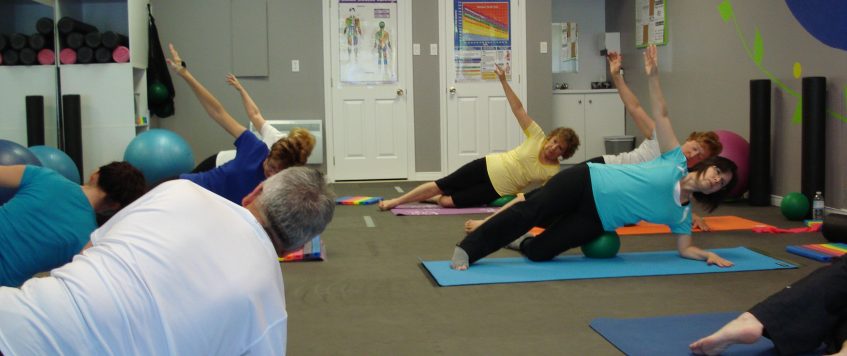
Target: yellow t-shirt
[(512, 171)]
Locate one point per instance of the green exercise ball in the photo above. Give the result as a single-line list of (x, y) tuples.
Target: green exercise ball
[(502, 200), (794, 206), (158, 93), (604, 246)]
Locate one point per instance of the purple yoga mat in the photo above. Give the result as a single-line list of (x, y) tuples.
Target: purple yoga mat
[(433, 209)]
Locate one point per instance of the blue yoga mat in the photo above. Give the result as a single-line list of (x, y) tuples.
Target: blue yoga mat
[(671, 335), (662, 263)]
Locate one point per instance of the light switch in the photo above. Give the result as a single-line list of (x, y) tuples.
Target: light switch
[(416, 49), (433, 49), (543, 46), (295, 65)]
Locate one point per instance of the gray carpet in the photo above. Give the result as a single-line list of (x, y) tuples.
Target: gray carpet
[(371, 297)]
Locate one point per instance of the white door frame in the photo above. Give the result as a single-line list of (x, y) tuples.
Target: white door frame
[(404, 42), (445, 39)]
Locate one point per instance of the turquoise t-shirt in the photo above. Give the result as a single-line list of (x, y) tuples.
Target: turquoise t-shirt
[(43, 226), (649, 191)]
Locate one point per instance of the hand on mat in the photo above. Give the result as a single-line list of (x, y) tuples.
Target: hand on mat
[(175, 61), (614, 59), (651, 61), (713, 259), (233, 81), (698, 222), (471, 225)]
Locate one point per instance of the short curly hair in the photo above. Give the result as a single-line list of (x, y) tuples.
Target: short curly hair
[(568, 137), (709, 140), (294, 149), (121, 182)]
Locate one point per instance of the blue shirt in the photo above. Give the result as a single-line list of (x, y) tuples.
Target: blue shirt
[(43, 226), (237, 178), (649, 191)]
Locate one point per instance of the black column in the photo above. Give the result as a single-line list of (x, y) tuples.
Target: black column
[(34, 120), (72, 126), (813, 173), (760, 142)]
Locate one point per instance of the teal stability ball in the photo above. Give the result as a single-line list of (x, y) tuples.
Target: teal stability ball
[(604, 246)]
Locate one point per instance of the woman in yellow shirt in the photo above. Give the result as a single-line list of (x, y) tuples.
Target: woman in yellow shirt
[(498, 174)]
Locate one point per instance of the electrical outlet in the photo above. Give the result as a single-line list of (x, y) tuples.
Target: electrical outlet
[(543, 47), (433, 49), (295, 65), (416, 49)]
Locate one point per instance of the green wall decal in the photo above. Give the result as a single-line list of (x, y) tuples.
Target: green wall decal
[(757, 53)]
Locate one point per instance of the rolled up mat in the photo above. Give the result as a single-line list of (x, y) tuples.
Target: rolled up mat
[(103, 55), (27, 57), (760, 143), (4, 41), (38, 41), (67, 25), (44, 26), (75, 40), (84, 55), (93, 39), (120, 54), (18, 41), (113, 39), (46, 56), (835, 227), (813, 166), (72, 128), (67, 56), (34, 120), (10, 57)]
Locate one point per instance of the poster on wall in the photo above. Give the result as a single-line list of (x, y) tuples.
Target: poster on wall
[(368, 30), (569, 39), (650, 23), (482, 37)]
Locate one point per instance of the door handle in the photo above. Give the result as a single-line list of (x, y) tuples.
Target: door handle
[(400, 92), (452, 90)]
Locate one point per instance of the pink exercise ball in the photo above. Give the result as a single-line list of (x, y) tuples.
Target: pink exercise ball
[(736, 149)]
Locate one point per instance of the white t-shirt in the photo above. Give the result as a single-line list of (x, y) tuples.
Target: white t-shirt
[(267, 133), (181, 271), (648, 150)]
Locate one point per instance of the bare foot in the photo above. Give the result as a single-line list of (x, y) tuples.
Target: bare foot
[(459, 267), (471, 225), (387, 204), (745, 329)]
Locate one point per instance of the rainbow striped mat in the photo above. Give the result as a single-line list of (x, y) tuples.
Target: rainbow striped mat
[(313, 250), (819, 252), (357, 200)]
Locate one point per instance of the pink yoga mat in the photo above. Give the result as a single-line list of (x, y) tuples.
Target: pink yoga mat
[(433, 209)]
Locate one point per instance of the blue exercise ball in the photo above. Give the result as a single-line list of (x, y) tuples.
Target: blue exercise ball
[(58, 161), (160, 154), (13, 154)]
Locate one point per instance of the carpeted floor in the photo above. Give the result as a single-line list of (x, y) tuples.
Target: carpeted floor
[(372, 297)]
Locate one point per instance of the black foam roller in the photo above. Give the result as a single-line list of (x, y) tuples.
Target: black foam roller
[(760, 143), (813, 171), (4, 41), (18, 41), (44, 26), (67, 25), (38, 41), (27, 56), (10, 57), (103, 55), (112, 40), (75, 40), (835, 227), (72, 128), (92, 39), (84, 55), (34, 120)]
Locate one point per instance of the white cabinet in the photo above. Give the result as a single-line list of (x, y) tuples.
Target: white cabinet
[(592, 115)]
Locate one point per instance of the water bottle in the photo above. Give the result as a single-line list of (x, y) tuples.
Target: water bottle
[(817, 206)]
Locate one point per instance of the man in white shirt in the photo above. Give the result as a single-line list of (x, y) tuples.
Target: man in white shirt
[(181, 271)]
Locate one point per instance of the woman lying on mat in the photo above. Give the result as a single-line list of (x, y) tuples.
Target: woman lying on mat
[(253, 161), (267, 133), (698, 146), (587, 199), (498, 174), (798, 319)]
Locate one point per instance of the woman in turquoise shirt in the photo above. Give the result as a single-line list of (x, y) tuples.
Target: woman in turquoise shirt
[(591, 198)]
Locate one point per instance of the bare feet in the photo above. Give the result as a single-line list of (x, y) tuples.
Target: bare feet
[(745, 329), (471, 225), (387, 204)]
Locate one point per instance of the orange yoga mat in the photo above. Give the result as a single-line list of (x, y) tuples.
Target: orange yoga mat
[(717, 223)]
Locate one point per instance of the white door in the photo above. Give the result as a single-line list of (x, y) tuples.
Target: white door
[(368, 102), (474, 36)]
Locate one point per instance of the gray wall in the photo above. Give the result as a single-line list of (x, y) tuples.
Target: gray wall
[(426, 93), (707, 85), (539, 100)]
